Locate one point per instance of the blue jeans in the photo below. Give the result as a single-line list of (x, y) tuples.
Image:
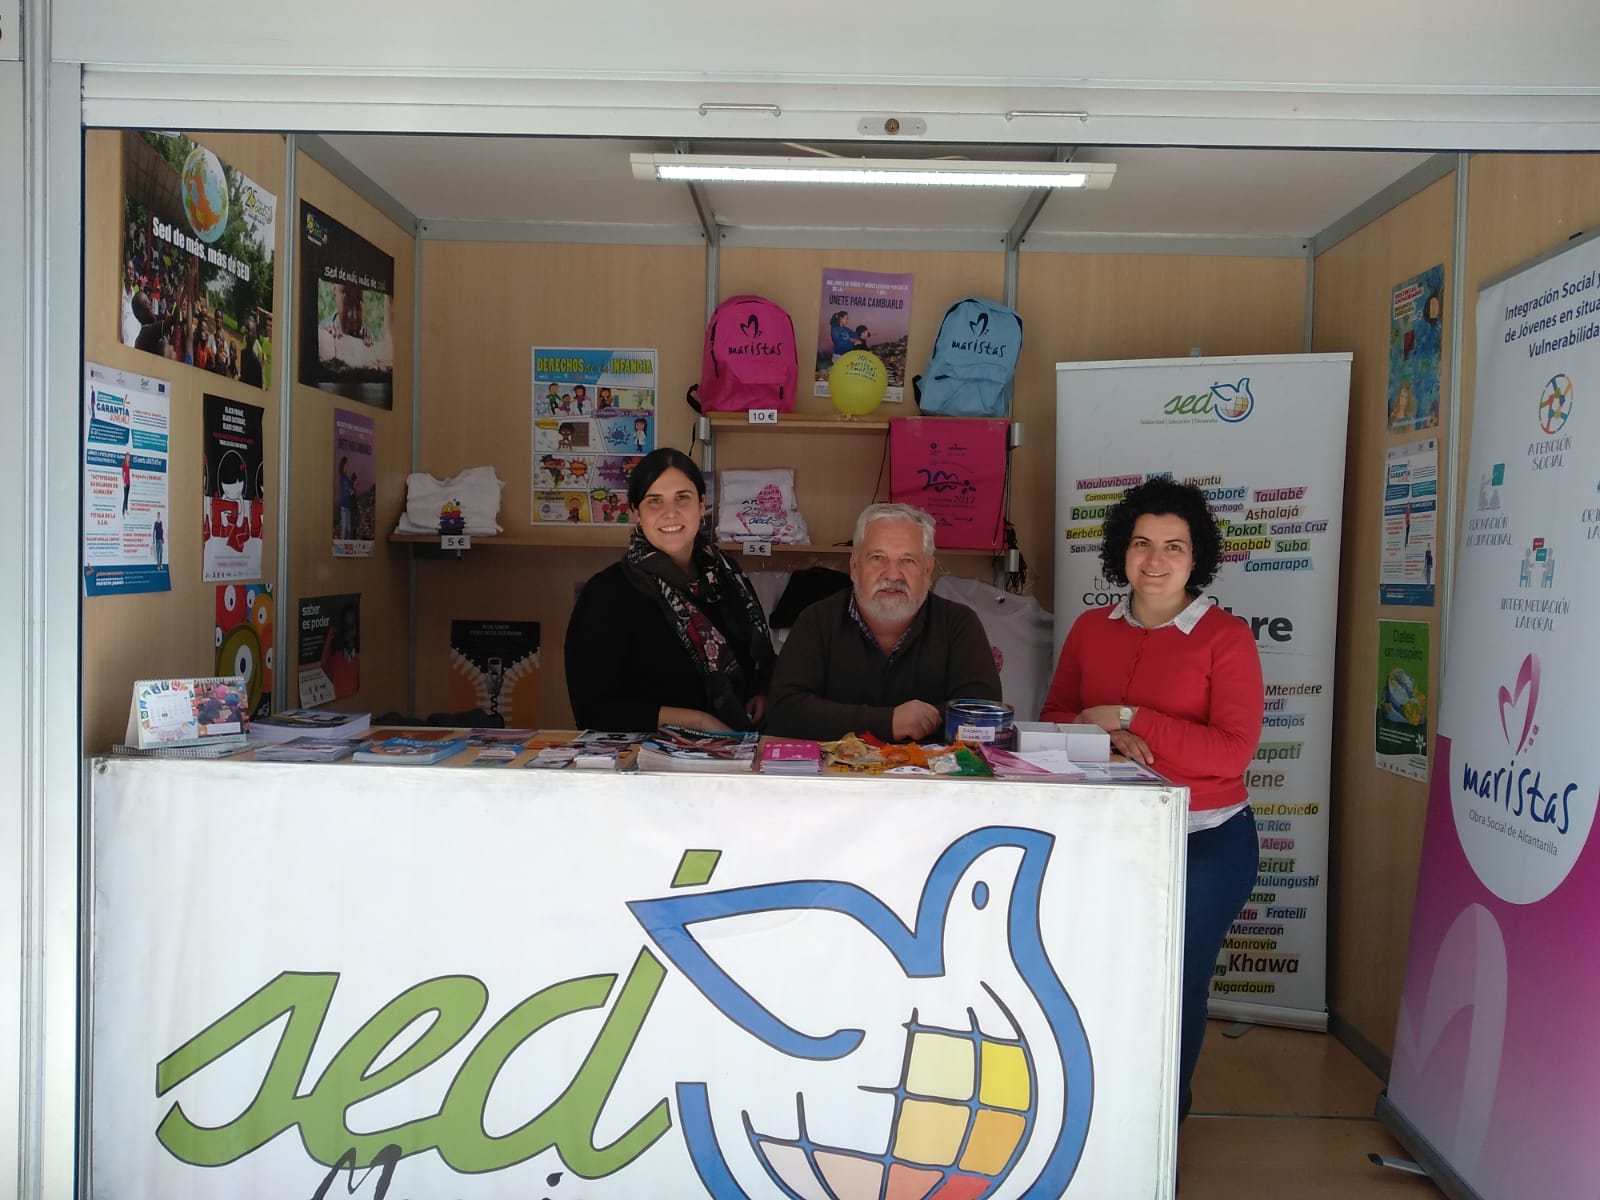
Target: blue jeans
[(1222, 873)]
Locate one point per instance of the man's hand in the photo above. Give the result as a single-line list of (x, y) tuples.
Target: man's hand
[(914, 720)]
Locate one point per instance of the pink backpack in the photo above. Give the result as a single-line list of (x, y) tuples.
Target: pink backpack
[(750, 359)]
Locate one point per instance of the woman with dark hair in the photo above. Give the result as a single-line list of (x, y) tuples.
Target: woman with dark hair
[(673, 634), (1176, 682)]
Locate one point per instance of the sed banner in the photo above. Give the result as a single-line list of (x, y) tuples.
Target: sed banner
[(624, 986)]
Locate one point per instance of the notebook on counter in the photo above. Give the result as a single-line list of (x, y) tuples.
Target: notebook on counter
[(791, 756)]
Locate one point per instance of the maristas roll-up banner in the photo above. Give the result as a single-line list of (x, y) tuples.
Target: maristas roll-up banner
[(1496, 1078), (1264, 437)]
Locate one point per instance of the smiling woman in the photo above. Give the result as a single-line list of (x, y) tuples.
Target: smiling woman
[(673, 634)]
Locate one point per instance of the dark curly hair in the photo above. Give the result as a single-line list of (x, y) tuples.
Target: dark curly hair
[(1163, 497)]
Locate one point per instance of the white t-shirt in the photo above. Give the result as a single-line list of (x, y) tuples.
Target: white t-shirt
[(1020, 634)]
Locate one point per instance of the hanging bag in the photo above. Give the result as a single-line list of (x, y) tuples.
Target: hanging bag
[(749, 359), (974, 361), (955, 471)]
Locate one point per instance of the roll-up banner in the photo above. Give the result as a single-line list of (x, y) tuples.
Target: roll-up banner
[(1264, 437), (1496, 1076)]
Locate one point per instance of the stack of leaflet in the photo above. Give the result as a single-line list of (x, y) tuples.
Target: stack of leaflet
[(419, 750), (790, 756), (308, 722), (308, 750), (675, 748)]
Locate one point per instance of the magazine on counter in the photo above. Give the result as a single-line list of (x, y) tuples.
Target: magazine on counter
[(675, 748), (308, 750), (309, 722), (410, 751)]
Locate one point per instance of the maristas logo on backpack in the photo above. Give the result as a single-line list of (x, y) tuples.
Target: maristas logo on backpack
[(978, 343), (754, 345)]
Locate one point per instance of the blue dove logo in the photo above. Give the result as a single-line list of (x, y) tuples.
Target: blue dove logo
[(968, 1100), (1234, 401)]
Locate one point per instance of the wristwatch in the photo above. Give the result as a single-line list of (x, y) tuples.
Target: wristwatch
[(1124, 716)]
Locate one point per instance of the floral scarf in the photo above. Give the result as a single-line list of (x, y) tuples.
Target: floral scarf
[(683, 598)]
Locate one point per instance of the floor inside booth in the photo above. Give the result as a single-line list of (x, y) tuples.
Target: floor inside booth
[(1284, 1114)]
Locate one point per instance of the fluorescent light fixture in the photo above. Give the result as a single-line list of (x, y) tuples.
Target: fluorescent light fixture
[(915, 172)]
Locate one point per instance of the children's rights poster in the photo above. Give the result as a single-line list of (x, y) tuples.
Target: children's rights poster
[(197, 258), (330, 648), (1402, 720), (494, 666), (355, 484), (864, 310), (235, 491), (346, 311), (125, 499), (594, 416), (1416, 322)]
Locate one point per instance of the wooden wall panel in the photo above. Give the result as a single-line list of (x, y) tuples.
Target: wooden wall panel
[(1377, 817), (1088, 308), (165, 633), (383, 580), (485, 306)]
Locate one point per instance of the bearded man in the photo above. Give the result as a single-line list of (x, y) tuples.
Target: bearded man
[(886, 656)]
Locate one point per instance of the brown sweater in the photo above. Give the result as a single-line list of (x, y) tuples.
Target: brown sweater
[(832, 679)]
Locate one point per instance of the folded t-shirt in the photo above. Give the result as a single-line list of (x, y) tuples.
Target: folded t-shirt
[(759, 506)]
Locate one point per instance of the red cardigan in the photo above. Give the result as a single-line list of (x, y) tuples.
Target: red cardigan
[(1199, 694)]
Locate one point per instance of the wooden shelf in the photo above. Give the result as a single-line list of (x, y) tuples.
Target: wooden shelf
[(813, 548), (577, 536), (738, 422)]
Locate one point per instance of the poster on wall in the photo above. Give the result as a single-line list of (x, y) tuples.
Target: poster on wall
[(494, 666), (355, 484), (235, 491), (594, 416), (1222, 424), (330, 648), (1416, 326), (198, 238), (244, 641), (346, 318), (864, 310), (1410, 524), (125, 482), (1496, 1065), (1401, 741)]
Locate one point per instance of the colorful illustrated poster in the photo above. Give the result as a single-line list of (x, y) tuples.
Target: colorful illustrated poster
[(494, 666), (355, 484), (346, 311), (594, 416), (1402, 710), (125, 499), (1496, 1062), (197, 258), (1416, 322), (330, 648), (864, 310), (235, 491), (244, 641), (1221, 424), (1410, 524)]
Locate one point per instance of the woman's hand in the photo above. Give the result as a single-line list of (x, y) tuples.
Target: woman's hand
[(1103, 715), (756, 708), (1131, 746)]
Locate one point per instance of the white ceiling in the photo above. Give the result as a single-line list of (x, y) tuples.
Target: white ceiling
[(1158, 192)]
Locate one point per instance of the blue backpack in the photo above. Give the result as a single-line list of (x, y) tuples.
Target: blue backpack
[(973, 362)]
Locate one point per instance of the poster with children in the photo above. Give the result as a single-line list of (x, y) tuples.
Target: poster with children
[(196, 258), (355, 484), (864, 310), (594, 416), (346, 317)]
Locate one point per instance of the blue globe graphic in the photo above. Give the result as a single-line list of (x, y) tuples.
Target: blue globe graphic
[(205, 194)]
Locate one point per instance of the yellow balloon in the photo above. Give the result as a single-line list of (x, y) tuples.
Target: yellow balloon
[(857, 382)]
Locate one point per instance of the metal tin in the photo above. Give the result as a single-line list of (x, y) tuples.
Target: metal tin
[(980, 721)]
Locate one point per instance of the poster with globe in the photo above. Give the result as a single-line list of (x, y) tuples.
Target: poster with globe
[(198, 239)]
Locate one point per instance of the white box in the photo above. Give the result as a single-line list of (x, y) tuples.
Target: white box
[(1087, 743), (1040, 735)]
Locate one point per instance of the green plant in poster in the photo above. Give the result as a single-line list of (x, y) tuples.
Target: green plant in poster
[(1402, 708)]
